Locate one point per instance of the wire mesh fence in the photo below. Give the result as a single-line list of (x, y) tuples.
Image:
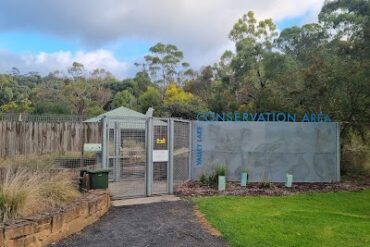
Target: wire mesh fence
[(49, 118), (78, 163), (71, 162)]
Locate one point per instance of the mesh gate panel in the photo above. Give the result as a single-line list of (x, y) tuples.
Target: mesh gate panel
[(127, 157), (181, 153), (160, 142)]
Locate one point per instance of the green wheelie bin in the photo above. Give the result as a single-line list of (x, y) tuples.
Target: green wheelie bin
[(98, 178)]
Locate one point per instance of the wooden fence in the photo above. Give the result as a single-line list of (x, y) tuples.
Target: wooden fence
[(21, 138)]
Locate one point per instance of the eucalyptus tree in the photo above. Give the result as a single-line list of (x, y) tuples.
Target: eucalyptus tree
[(253, 45), (165, 64), (349, 25), (300, 42)]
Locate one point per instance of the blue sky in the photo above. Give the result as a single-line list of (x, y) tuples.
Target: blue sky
[(21, 42), (125, 49), (121, 32)]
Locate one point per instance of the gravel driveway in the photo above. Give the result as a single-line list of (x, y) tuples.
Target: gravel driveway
[(157, 224)]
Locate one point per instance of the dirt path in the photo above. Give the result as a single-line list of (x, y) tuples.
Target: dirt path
[(157, 224)]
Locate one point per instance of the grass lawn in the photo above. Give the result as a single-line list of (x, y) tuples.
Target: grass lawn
[(320, 219)]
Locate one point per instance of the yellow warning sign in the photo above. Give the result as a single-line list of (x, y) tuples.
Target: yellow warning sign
[(161, 140)]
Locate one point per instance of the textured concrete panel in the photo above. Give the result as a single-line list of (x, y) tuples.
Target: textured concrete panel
[(268, 149)]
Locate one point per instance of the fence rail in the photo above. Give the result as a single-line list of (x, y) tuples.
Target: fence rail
[(51, 118)]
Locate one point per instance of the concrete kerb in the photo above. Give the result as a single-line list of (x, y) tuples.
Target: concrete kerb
[(144, 200)]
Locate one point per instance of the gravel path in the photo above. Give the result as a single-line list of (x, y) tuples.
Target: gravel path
[(157, 224)]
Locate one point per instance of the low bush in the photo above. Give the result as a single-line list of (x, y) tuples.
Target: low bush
[(18, 193), (25, 191), (266, 185), (203, 179), (220, 170), (355, 154), (265, 182), (245, 169), (211, 179)]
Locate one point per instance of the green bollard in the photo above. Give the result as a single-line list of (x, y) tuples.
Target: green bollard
[(221, 183), (289, 180), (244, 179)]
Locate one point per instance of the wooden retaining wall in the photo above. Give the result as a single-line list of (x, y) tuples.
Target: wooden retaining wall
[(22, 138)]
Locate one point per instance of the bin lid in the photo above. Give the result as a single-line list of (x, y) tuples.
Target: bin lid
[(98, 170)]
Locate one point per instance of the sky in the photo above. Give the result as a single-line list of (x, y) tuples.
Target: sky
[(46, 35)]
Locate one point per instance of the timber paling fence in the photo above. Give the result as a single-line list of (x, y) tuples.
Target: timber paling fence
[(37, 137)]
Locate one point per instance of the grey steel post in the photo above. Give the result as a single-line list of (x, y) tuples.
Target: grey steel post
[(338, 152), (149, 156), (170, 135), (117, 145), (104, 150), (190, 148)]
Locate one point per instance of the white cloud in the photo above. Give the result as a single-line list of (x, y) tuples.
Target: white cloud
[(47, 62), (198, 27), (186, 21)]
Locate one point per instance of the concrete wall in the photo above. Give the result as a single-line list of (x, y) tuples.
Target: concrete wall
[(310, 151)]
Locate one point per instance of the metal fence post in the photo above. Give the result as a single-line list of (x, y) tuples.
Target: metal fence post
[(190, 149), (338, 152), (171, 133), (117, 140), (104, 143), (149, 157)]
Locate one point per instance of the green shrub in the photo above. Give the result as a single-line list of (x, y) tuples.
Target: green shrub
[(245, 169), (211, 179), (221, 170), (355, 154), (203, 179)]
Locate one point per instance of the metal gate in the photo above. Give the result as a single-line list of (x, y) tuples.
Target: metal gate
[(145, 156)]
